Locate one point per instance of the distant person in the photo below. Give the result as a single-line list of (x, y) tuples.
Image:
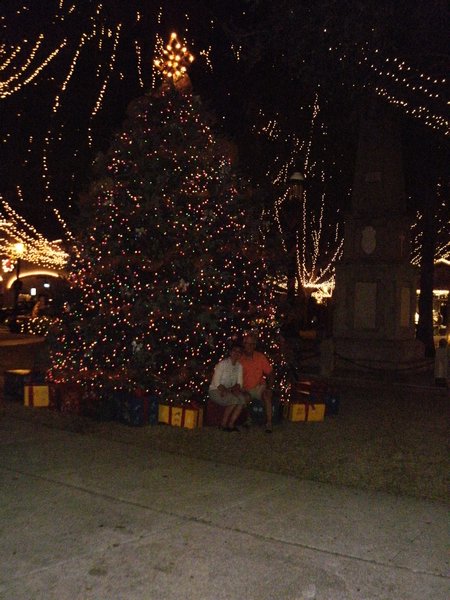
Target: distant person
[(226, 388), (441, 366), (257, 377), (40, 308)]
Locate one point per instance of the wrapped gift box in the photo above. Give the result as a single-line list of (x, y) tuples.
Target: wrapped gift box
[(315, 412), (332, 404), (257, 412), (189, 415), (302, 387), (68, 398), (15, 381), (136, 410), (100, 406), (303, 411), (294, 411), (165, 413), (36, 395), (192, 417), (14, 384), (314, 389), (319, 391)]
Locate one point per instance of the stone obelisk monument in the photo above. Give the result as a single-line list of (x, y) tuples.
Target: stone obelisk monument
[(375, 293)]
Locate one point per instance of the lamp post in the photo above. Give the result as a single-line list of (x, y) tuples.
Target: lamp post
[(19, 249), (292, 209)]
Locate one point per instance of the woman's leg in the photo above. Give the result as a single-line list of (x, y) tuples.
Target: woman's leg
[(228, 402), (226, 416), (237, 409)]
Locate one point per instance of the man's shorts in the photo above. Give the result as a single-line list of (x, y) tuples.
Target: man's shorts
[(257, 392)]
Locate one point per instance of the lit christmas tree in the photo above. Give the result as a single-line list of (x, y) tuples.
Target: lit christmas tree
[(163, 273)]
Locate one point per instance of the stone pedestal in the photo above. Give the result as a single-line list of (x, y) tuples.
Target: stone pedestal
[(375, 293), (374, 316)]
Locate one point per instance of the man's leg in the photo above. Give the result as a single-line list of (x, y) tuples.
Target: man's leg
[(248, 399), (267, 402)]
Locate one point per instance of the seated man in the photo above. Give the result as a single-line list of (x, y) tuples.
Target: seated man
[(226, 388), (257, 377)]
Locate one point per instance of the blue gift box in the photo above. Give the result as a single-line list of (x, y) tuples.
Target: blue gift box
[(16, 379), (257, 412), (332, 403), (136, 411)]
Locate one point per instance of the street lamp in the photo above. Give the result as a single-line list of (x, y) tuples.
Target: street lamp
[(19, 249), (292, 209), (296, 185)]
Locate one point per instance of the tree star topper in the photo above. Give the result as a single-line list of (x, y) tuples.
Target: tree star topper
[(174, 60)]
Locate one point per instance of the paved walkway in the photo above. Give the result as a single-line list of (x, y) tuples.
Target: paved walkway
[(86, 518)]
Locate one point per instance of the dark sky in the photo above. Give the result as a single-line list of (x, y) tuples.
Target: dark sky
[(104, 59), (103, 66)]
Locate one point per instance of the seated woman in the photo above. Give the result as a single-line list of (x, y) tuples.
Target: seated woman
[(226, 388)]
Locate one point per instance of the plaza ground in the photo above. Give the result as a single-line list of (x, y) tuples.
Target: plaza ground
[(352, 508)]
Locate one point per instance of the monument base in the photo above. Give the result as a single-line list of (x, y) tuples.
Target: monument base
[(379, 355)]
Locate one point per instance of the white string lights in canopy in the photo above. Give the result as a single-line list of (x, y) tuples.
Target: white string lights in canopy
[(60, 43), (419, 94), (18, 72), (319, 242), (442, 251), (35, 248)]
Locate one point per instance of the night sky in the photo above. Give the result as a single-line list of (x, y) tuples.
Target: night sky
[(70, 68)]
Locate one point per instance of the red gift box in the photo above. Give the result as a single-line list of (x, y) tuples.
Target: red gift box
[(69, 398)]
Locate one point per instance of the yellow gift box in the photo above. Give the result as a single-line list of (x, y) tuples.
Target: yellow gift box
[(164, 413), (193, 418), (180, 416), (176, 416), (36, 395), (315, 412), (296, 411), (293, 411)]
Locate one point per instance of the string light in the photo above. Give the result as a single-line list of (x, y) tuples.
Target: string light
[(36, 248), (166, 268), (206, 53), (110, 70), (139, 62), (319, 244), (33, 60), (442, 249), (408, 87), (20, 76)]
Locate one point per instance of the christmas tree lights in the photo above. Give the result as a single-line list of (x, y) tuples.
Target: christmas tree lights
[(161, 275)]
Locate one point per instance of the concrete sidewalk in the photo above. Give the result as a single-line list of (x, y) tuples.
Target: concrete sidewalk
[(87, 518)]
